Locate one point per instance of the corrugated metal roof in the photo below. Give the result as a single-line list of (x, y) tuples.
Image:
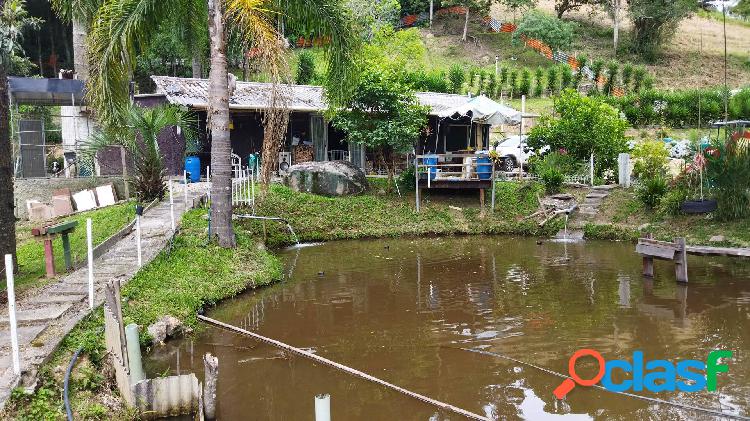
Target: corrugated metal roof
[(255, 95)]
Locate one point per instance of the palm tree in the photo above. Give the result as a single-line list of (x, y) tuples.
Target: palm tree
[(79, 13), (122, 26), (139, 136), (13, 21)]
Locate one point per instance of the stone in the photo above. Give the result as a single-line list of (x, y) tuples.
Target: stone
[(165, 327), (40, 211), (105, 195), (62, 206), (716, 239), (39, 315), (84, 200), (330, 178), (562, 196)]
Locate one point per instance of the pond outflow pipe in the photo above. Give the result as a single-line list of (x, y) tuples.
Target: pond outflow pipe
[(317, 358)]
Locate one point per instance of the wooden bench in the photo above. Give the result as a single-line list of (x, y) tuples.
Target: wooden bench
[(48, 233), (652, 249)]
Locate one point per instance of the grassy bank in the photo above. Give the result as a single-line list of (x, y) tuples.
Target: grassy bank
[(318, 218), (177, 283), (30, 250)]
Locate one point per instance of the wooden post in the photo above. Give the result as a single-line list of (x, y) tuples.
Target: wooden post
[(416, 178), (680, 260), (211, 375), (49, 257), (481, 199), (66, 251), (124, 172), (648, 261)]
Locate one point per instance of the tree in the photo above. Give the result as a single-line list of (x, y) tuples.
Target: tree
[(518, 6), (382, 115), (613, 69), (456, 77), (475, 6), (139, 137), (655, 22), (371, 16), (582, 126), (554, 32), (14, 20), (79, 13), (564, 6), (742, 9), (305, 68), (121, 26)]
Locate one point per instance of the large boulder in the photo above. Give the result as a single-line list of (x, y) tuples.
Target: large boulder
[(330, 178)]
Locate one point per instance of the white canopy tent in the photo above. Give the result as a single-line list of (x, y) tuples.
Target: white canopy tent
[(486, 111)]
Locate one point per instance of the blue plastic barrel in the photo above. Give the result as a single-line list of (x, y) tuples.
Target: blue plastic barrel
[(484, 167), (193, 168), (431, 160)]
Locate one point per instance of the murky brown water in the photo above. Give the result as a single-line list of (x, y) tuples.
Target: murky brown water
[(400, 312)]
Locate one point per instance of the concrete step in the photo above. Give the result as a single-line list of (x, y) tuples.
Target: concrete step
[(605, 187), (38, 315), (596, 195), (47, 299), (26, 334)]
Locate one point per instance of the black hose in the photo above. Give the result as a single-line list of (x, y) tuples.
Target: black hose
[(68, 411)]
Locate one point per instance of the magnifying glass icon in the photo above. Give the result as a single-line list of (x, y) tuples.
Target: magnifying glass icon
[(568, 384)]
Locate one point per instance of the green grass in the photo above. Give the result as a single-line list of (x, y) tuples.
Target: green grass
[(318, 218), (718, 16), (30, 250)]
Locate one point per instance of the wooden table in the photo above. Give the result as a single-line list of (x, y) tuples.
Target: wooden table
[(48, 234)]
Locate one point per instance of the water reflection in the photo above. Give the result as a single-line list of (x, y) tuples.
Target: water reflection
[(399, 313)]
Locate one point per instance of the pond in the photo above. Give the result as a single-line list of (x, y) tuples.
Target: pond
[(406, 311)]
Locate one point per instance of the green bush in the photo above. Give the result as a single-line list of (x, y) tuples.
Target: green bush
[(651, 158), (433, 81), (305, 68), (670, 203), (539, 82), (456, 78), (524, 87), (651, 191), (556, 33), (553, 80), (727, 171), (552, 168)]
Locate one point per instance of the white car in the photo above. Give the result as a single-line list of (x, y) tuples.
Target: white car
[(514, 151)]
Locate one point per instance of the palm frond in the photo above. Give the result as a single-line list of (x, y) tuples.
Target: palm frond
[(329, 18), (119, 29), (256, 26), (83, 10)]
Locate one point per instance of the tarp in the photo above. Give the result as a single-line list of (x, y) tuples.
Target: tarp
[(485, 111), (40, 91)]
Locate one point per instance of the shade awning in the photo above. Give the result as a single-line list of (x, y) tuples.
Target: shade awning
[(483, 110), (41, 91)]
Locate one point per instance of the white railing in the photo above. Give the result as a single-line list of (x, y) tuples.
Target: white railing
[(243, 187), (338, 155)]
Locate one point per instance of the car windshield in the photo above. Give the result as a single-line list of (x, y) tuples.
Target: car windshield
[(511, 141)]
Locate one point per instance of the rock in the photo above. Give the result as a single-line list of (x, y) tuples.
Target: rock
[(164, 328), (643, 227), (330, 178), (716, 239), (562, 196)]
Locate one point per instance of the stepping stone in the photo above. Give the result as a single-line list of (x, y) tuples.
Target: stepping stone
[(605, 187), (39, 315), (562, 196), (70, 290), (593, 195), (55, 299), (26, 334)]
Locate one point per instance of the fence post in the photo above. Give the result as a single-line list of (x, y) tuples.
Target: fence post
[(12, 313), (623, 169), (323, 407), (171, 205), (493, 187), (680, 260), (184, 181), (416, 178), (208, 180), (90, 256), (138, 213), (648, 261), (591, 168)]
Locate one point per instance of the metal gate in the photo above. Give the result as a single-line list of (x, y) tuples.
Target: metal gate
[(319, 137), (32, 148)]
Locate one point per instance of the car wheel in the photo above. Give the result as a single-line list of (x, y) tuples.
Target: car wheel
[(509, 164)]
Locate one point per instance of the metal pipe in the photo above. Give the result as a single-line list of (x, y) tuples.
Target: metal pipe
[(138, 239), (66, 382), (171, 205), (184, 180)]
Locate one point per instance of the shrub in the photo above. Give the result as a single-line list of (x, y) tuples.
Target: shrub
[(566, 77), (613, 69), (456, 78), (671, 202), (433, 81), (553, 83), (651, 191), (639, 73), (552, 168), (539, 85), (627, 75), (597, 67), (582, 62), (582, 125), (651, 158), (556, 33), (305, 68), (727, 171), (524, 87), (503, 77), (512, 82)]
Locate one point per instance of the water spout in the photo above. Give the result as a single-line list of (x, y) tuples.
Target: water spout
[(289, 227)]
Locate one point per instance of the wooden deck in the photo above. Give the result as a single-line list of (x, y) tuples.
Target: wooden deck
[(455, 184), (718, 251)]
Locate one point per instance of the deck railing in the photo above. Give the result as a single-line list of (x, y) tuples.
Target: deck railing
[(454, 167)]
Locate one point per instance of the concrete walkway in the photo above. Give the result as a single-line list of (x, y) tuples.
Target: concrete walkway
[(46, 315)]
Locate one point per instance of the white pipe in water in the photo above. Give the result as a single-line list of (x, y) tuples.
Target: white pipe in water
[(323, 407), (138, 239), (171, 205), (12, 314), (90, 256)]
